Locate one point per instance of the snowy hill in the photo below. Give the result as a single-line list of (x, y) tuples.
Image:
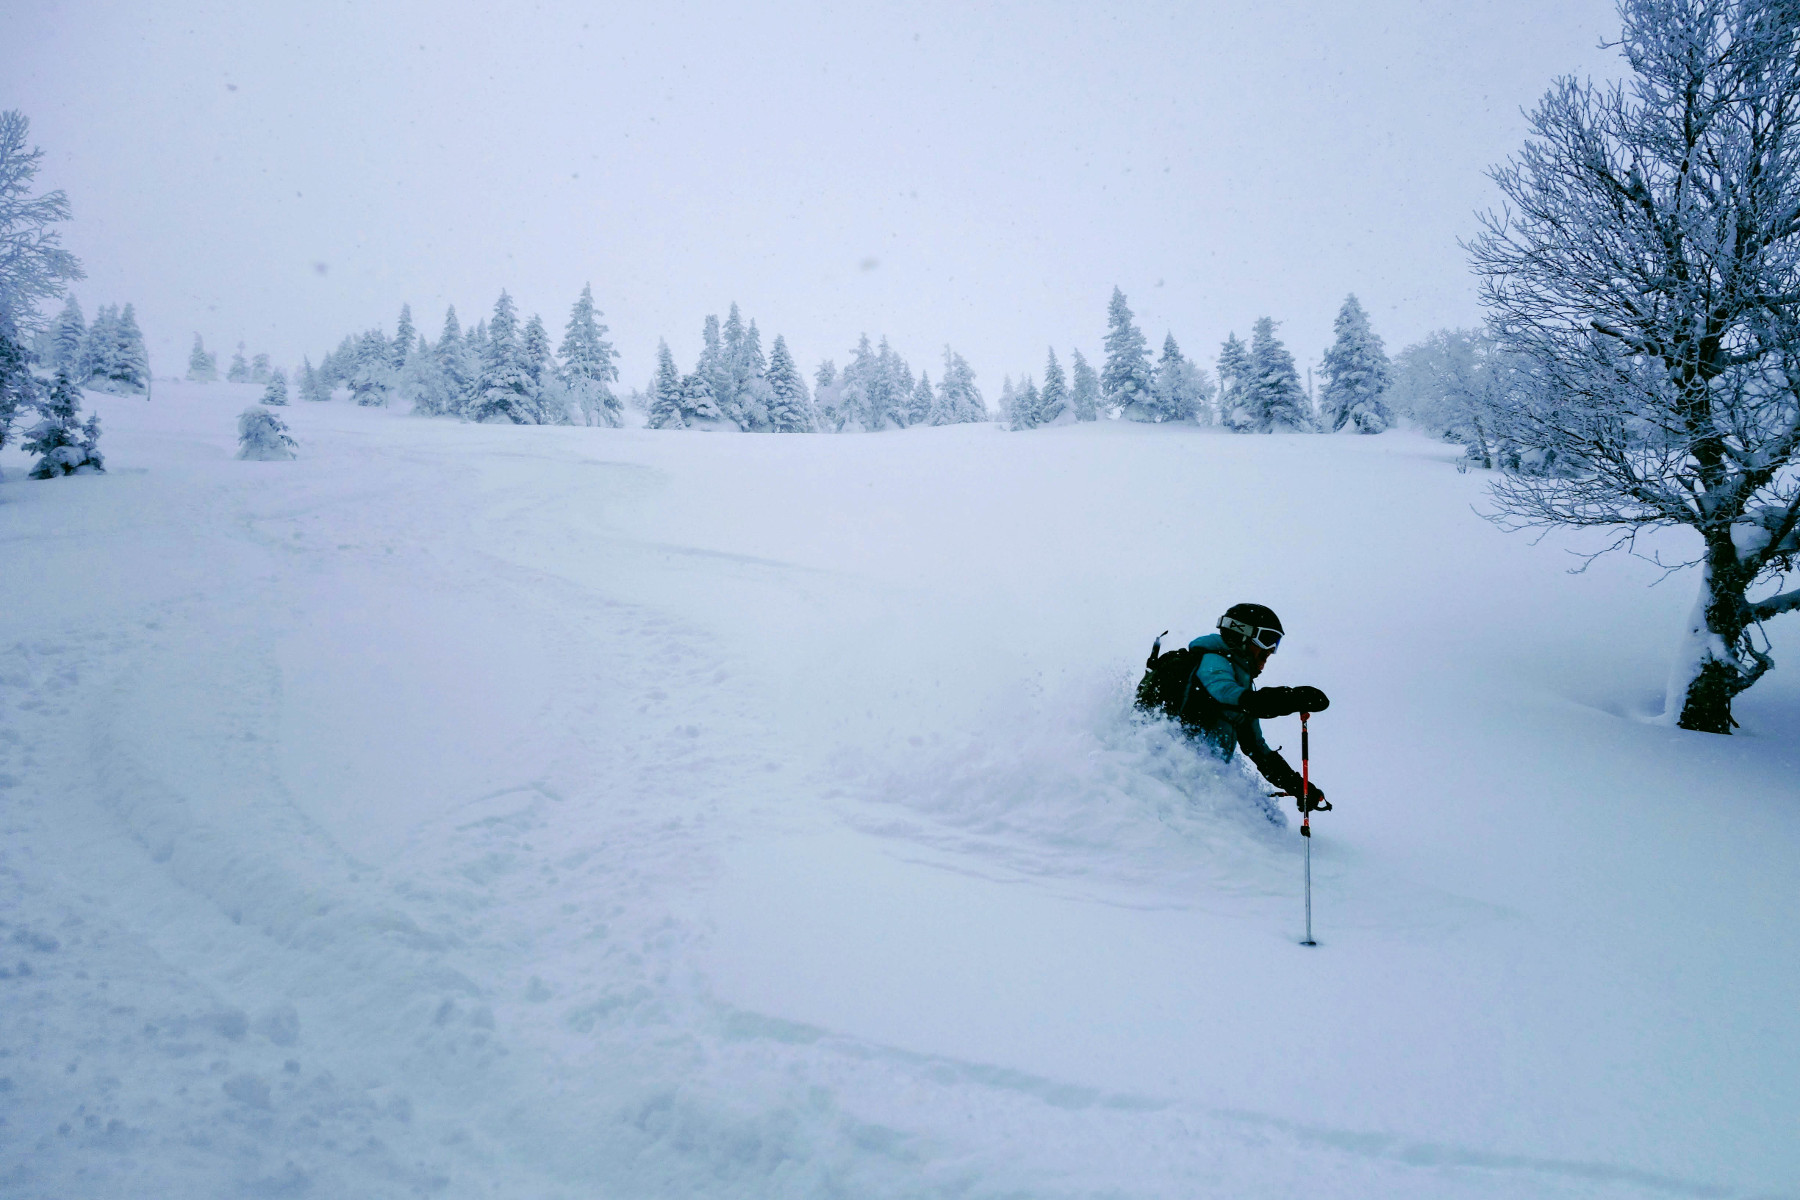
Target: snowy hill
[(485, 811)]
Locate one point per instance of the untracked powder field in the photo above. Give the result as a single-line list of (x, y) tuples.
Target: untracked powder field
[(489, 811)]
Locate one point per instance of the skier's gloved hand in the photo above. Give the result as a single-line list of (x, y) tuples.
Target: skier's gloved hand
[(1315, 800), (1309, 700)]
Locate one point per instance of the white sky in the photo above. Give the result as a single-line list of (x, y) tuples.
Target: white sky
[(285, 174)]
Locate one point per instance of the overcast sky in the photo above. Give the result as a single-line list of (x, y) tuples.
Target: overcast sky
[(978, 175)]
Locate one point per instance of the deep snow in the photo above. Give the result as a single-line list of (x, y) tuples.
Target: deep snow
[(465, 810)]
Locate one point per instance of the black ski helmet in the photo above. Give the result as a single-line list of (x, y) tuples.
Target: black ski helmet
[(1247, 625)]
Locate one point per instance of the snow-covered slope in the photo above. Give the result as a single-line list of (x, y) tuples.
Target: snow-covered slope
[(479, 811)]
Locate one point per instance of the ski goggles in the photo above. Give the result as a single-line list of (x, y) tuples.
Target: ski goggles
[(1259, 635)]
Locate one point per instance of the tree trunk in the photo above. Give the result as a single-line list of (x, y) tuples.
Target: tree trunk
[(1716, 673)]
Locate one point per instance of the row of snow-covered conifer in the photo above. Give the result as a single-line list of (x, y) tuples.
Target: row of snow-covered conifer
[(500, 371), (1257, 388), (107, 356)]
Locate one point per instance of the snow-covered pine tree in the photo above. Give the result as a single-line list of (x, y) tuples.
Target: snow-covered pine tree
[(790, 409), (202, 367), (958, 399), (239, 371), (828, 396), (1356, 374), (588, 364), (726, 373), (100, 349), (1168, 397), (63, 442), (1236, 373), (699, 408), (1084, 392), (404, 333), (66, 339), (918, 408), (1053, 401), (751, 369), (260, 368), (665, 393), (312, 384), (130, 370), (549, 400), (263, 436), (1008, 402), (276, 393), (1027, 406), (1125, 379), (453, 386), (1276, 397), (712, 365), (373, 376), (503, 391), (853, 387)]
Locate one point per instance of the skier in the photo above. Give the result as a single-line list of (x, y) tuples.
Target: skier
[(1217, 702)]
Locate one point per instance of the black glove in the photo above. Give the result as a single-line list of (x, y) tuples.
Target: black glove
[(1280, 701), (1315, 800)]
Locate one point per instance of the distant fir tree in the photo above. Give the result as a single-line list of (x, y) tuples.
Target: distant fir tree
[(450, 391), (129, 370), (1236, 374), (1054, 400), (263, 436), (1007, 401), (372, 378), (66, 340), (1027, 406), (503, 390), (751, 370), (276, 393), (918, 408), (958, 399), (790, 409), (665, 393), (404, 333), (589, 369), (712, 365), (699, 408), (1167, 398), (1277, 400), (826, 375), (1357, 374), (99, 350), (312, 384), (1084, 394), (260, 368), (730, 373), (1125, 379), (64, 444), (240, 370), (549, 402), (202, 367)]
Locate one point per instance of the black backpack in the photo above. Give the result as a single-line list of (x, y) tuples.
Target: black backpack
[(1168, 686)]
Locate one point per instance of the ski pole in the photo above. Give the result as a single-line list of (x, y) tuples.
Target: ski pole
[(1306, 823)]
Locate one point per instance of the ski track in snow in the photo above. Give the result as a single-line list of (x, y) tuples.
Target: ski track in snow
[(480, 956)]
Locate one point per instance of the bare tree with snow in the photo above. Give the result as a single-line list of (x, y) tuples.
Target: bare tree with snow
[(1648, 273)]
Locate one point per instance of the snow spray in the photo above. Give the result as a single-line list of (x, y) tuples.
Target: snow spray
[(1306, 822)]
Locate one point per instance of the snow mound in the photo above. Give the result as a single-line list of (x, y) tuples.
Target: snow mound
[(1077, 784)]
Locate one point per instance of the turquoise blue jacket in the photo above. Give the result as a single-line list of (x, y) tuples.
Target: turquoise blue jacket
[(1224, 723)]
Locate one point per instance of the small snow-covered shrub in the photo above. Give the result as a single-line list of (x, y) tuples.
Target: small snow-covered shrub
[(63, 442), (263, 436), (276, 393)]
